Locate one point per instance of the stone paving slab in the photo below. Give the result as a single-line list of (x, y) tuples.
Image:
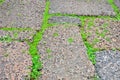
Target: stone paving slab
[(15, 61), (117, 2), (104, 34), (64, 19), (81, 7), (64, 55), (22, 13), (108, 65), (18, 35)]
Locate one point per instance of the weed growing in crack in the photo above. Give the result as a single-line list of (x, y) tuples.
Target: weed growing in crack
[(116, 9), (37, 64)]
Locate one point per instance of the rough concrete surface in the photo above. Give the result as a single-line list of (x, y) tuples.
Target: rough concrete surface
[(14, 61), (104, 34), (117, 2), (22, 13), (81, 7), (18, 35), (64, 19), (63, 59), (108, 65)]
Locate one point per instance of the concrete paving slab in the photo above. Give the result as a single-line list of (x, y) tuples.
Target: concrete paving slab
[(22, 13), (64, 55), (117, 2), (17, 35), (81, 7), (15, 61), (104, 34), (108, 65), (64, 19)]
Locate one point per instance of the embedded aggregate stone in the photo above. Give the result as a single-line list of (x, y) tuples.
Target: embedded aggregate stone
[(104, 34), (117, 2), (64, 19), (15, 61), (22, 13), (18, 35), (81, 7), (108, 65), (64, 55)]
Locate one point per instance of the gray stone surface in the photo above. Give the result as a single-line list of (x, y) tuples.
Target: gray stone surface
[(64, 55), (18, 35), (117, 2), (15, 60), (81, 7), (64, 19), (22, 13), (108, 65)]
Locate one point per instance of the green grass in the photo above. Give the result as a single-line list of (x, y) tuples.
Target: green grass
[(2, 1)]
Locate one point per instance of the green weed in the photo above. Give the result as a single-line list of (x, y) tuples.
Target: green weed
[(70, 40), (2, 1), (5, 38), (37, 64), (55, 34)]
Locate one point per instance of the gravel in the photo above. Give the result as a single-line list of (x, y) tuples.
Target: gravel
[(64, 19), (81, 7), (22, 13), (15, 61), (108, 65), (64, 55)]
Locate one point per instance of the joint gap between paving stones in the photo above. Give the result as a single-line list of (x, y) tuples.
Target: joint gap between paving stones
[(37, 64), (116, 9)]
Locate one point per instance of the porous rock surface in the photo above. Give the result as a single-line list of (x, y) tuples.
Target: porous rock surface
[(64, 60), (108, 65), (18, 35), (15, 61), (64, 19), (105, 31), (81, 7), (117, 2), (22, 13)]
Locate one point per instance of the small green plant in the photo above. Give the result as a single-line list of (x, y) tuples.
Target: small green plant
[(55, 34), (96, 40), (102, 35), (5, 38), (114, 49), (6, 55), (105, 25), (107, 39), (70, 40), (48, 50), (1, 1)]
